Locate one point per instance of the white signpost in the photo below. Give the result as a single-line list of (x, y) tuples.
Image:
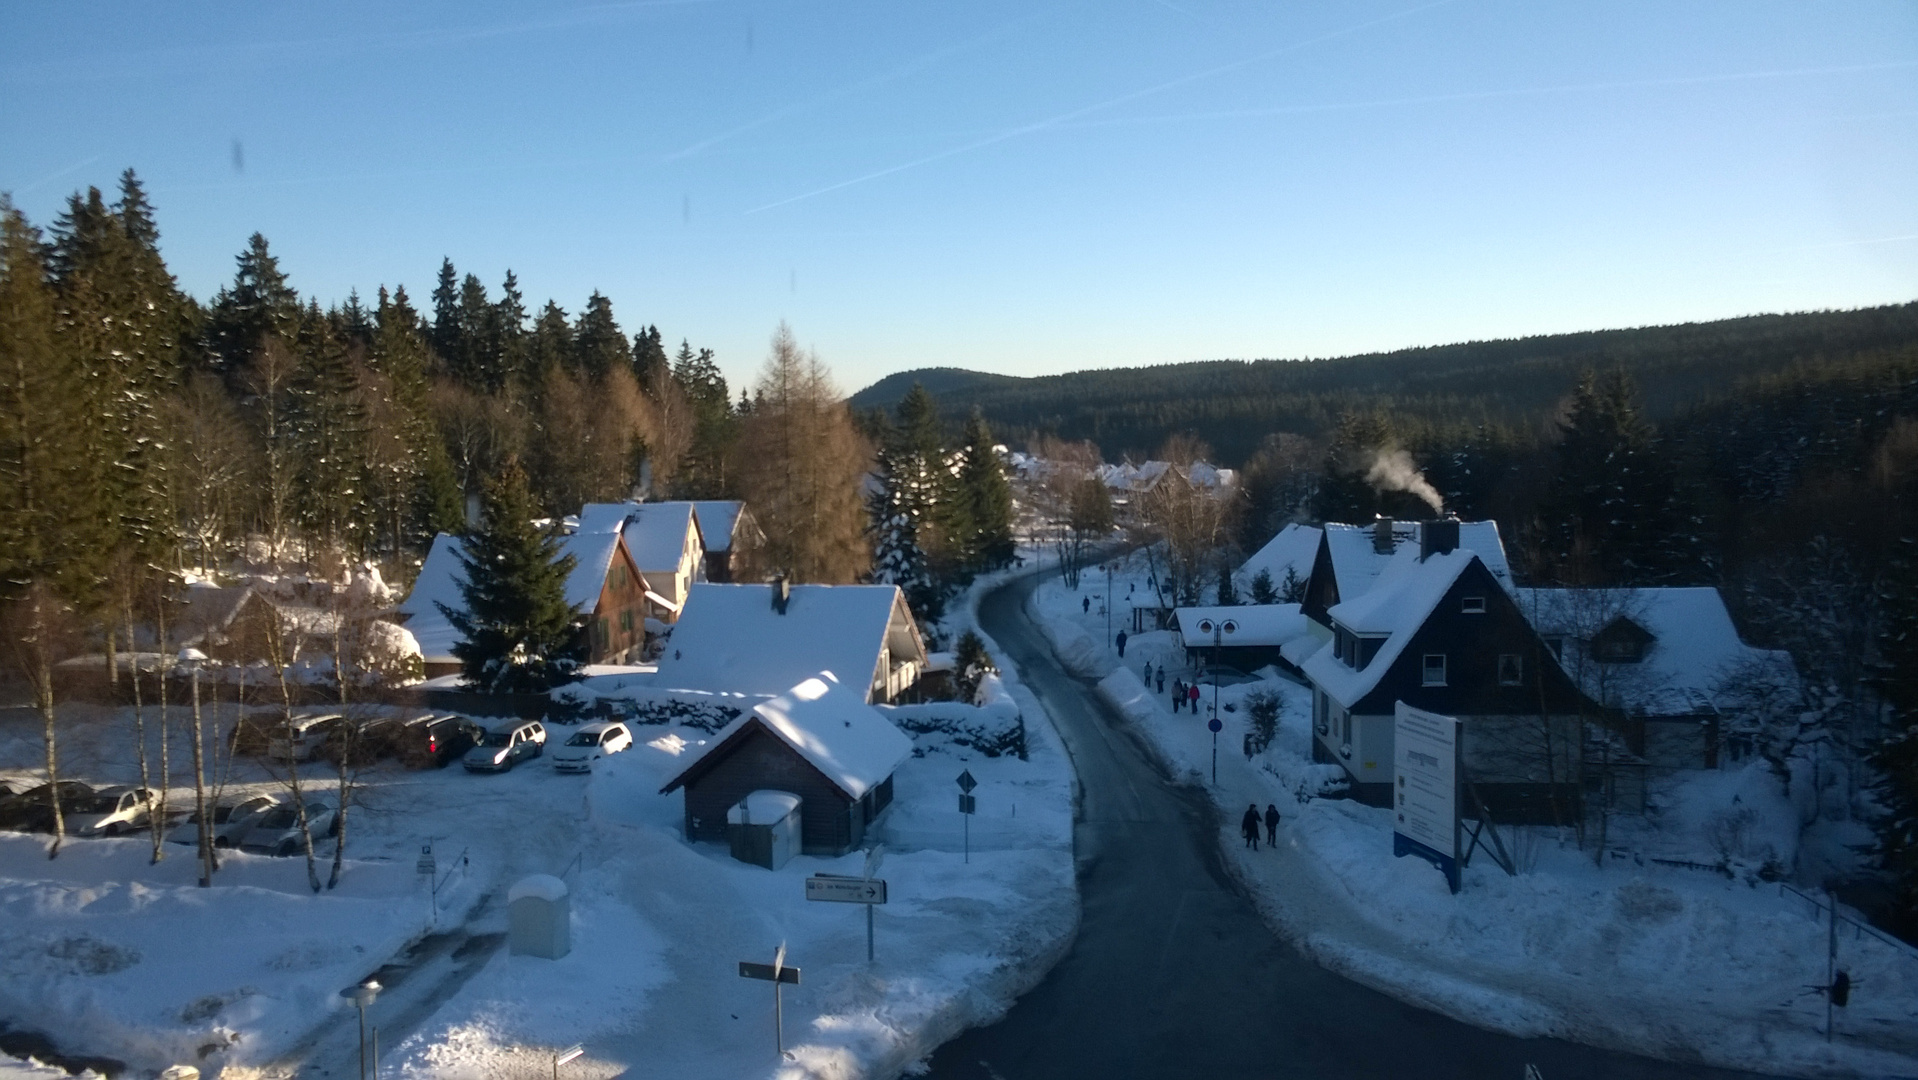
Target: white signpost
[(1425, 788), (841, 889)]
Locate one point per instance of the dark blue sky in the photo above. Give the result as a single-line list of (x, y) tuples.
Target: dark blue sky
[(1020, 187)]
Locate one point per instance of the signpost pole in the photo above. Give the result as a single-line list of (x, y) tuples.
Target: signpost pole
[(868, 933), (779, 1011)]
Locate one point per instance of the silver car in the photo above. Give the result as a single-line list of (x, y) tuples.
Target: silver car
[(230, 820), (277, 832), (110, 812)]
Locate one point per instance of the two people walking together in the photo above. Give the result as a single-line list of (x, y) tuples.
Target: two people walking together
[(1249, 825)]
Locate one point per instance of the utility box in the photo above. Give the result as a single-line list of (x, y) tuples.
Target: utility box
[(764, 828), (539, 915)]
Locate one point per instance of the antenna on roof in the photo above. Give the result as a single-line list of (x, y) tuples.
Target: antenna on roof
[(782, 594)]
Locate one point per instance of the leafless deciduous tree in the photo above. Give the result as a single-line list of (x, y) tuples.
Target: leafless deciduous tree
[(211, 456), (38, 630), (268, 380), (1188, 518), (802, 464)]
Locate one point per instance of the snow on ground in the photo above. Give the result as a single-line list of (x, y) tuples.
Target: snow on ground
[(957, 941), (1668, 961)]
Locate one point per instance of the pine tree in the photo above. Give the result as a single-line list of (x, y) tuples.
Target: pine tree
[(649, 360), (447, 337), (507, 337), (258, 305), (475, 362), (518, 633), (1612, 516), (1262, 589), (896, 513), (328, 429), (549, 347), (599, 346), (425, 498), (704, 473), (1228, 590), (985, 498)]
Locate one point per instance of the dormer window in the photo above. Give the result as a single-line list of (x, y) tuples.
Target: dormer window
[(1621, 642), (1472, 605)]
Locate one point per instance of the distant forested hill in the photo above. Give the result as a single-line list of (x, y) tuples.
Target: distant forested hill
[(1516, 384)]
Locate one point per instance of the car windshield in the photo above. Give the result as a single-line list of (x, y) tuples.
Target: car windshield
[(498, 738), (584, 738), (283, 818), (91, 804)]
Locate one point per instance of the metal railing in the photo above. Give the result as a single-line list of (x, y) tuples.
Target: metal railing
[(1860, 930)]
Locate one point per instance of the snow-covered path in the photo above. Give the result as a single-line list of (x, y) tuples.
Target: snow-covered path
[(1174, 973)]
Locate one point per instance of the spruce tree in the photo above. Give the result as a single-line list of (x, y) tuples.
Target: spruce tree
[(447, 338), (328, 428), (507, 336), (985, 498), (258, 305), (549, 347), (897, 558), (1263, 591), (599, 346), (518, 633)]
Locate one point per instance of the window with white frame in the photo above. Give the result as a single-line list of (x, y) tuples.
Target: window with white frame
[(1511, 669), (1435, 669)]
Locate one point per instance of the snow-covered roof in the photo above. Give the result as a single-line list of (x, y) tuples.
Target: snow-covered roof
[(730, 640), (1357, 562), (1258, 624), (828, 723), (655, 533), (1694, 645), (441, 576), (1397, 603), (540, 886), (716, 520), (1293, 549)]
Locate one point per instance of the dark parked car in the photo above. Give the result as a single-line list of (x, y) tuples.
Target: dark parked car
[(29, 810), (435, 740), (277, 832)]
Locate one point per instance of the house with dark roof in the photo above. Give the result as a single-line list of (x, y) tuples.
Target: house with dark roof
[(1433, 625), (763, 639), (732, 535), (819, 741)]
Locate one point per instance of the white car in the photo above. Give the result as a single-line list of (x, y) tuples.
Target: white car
[(230, 820), (309, 733), (110, 812), (507, 745), (589, 744)]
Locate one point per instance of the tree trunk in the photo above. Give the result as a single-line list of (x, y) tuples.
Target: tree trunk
[(156, 816), (42, 676), (199, 788)]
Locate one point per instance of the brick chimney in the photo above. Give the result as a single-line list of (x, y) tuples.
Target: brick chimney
[(1437, 537), (1382, 536)]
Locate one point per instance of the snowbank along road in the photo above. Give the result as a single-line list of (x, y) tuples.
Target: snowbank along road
[(1173, 973)]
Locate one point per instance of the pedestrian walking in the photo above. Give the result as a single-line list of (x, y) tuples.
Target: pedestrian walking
[(1272, 824), (1122, 644), (1192, 697), (1178, 695), (1085, 605), (1249, 826), (1161, 679)]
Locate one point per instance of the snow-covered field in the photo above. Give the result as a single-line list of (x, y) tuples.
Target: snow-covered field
[(114, 957), (1672, 962)]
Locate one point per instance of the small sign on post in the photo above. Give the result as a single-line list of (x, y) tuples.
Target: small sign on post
[(779, 975), (838, 889), (967, 806)]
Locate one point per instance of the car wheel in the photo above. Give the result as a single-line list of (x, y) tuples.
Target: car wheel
[(285, 850), (113, 829)]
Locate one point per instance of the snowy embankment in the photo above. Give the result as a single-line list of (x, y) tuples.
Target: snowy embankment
[(1677, 963), (652, 986)]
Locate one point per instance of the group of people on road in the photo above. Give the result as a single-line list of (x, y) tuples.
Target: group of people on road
[(1249, 825), (1183, 693)]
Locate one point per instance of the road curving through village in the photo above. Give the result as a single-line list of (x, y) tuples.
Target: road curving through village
[(1174, 974)]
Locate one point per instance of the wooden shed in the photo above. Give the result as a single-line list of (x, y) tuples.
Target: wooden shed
[(819, 741)]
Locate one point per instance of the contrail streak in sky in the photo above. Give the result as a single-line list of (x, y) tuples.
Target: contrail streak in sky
[(55, 175), (880, 79), (1482, 95), (1067, 117)]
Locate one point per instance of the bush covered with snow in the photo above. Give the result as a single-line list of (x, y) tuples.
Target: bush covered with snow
[(993, 729)]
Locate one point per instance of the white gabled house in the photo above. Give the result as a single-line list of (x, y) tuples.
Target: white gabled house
[(764, 639)]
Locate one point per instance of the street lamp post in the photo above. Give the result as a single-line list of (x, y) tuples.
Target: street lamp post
[(1218, 628), (192, 659), (363, 996), (1108, 603)]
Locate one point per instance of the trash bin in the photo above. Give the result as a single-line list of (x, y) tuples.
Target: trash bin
[(764, 828), (539, 916)]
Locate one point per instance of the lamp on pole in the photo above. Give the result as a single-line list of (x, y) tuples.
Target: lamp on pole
[(1108, 604), (1218, 628), (362, 996), (192, 659)]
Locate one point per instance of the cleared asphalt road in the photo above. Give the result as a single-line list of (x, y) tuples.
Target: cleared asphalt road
[(1174, 975)]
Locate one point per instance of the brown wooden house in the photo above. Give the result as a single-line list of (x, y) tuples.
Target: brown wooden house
[(819, 741)]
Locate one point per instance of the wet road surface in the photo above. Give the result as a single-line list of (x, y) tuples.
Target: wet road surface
[(1173, 973)]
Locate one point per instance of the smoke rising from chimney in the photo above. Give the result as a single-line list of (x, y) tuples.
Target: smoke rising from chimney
[(1392, 470)]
